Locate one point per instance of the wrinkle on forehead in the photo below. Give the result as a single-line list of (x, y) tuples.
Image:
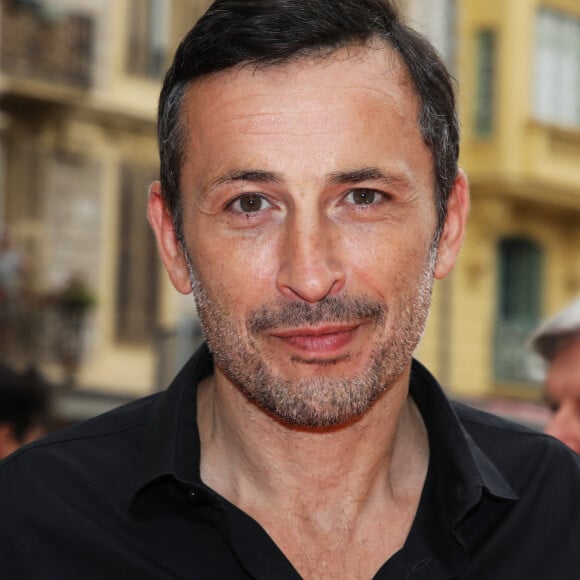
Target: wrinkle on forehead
[(347, 56), (305, 112), (266, 116)]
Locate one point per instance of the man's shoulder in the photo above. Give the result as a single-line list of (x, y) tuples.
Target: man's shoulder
[(522, 454), (110, 439), (494, 433), (473, 418), (124, 418), (535, 511)]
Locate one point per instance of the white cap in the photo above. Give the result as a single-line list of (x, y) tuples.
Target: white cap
[(557, 331)]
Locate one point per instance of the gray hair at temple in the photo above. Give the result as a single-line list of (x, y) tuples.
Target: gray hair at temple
[(557, 332), (267, 33)]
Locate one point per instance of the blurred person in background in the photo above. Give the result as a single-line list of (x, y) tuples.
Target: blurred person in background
[(11, 268), (557, 341), (11, 276), (24, 408), (309, 197)]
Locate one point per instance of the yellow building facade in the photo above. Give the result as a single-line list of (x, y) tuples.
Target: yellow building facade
[(517, 63), (79, 81)]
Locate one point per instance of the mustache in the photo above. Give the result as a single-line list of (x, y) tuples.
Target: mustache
[(330, 309)]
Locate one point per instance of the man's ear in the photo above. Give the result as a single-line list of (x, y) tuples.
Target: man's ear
[(454, 227), (167, 241)]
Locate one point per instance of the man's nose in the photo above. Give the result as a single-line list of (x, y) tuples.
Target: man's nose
[(565, 425), (311, 265)]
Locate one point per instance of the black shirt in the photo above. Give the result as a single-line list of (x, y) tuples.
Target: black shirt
[(120, 497)]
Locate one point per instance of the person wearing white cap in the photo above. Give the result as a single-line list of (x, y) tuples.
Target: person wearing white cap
[(557, 341)]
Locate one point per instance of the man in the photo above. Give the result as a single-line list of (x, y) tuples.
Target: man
[(24, 409), (309, 197), (558, 341), (11, 274)]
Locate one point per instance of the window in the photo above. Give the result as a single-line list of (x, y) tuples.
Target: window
[(23, 169), (518, 310), (557, 68), (484, 104), (148, 37), (71, 189), (137, 270)]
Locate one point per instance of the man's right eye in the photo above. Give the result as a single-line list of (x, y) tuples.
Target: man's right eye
[(250, 203)]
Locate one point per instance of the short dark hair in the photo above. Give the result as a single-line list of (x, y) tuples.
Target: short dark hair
[(24, 400), (270, 32)]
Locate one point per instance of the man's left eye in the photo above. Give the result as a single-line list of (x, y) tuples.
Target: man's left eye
[(250, 203), (364, 197)]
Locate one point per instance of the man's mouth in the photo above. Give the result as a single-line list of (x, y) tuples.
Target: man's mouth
[(319, 341)]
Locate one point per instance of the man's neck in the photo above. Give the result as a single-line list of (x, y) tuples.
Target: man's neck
[(246, 453), (337, 503)]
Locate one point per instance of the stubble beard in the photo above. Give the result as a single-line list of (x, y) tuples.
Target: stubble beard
[(319, 401)]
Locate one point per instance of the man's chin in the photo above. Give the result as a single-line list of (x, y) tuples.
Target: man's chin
[(316, 415), (322, 362), (311, 397)]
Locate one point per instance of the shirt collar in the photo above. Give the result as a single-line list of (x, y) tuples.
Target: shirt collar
[(459, 456), (171, 445), (459, 479)]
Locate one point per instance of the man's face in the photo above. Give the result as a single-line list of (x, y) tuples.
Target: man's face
[(563, 395), (309, 222)]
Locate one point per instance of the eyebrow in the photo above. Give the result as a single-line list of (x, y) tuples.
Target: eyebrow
[(336, 178), (256, 175), (367, 174)]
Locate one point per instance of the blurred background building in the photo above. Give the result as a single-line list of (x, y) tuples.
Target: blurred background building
[(89, 304), (518, 68), (79, 81)]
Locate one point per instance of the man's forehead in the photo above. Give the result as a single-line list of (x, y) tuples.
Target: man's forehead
[(387, 62), (570, 349), (566, 364), (351, 109), (321, 93)]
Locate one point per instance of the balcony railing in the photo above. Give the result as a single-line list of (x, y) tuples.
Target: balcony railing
[(41, 45), (39, 329)]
